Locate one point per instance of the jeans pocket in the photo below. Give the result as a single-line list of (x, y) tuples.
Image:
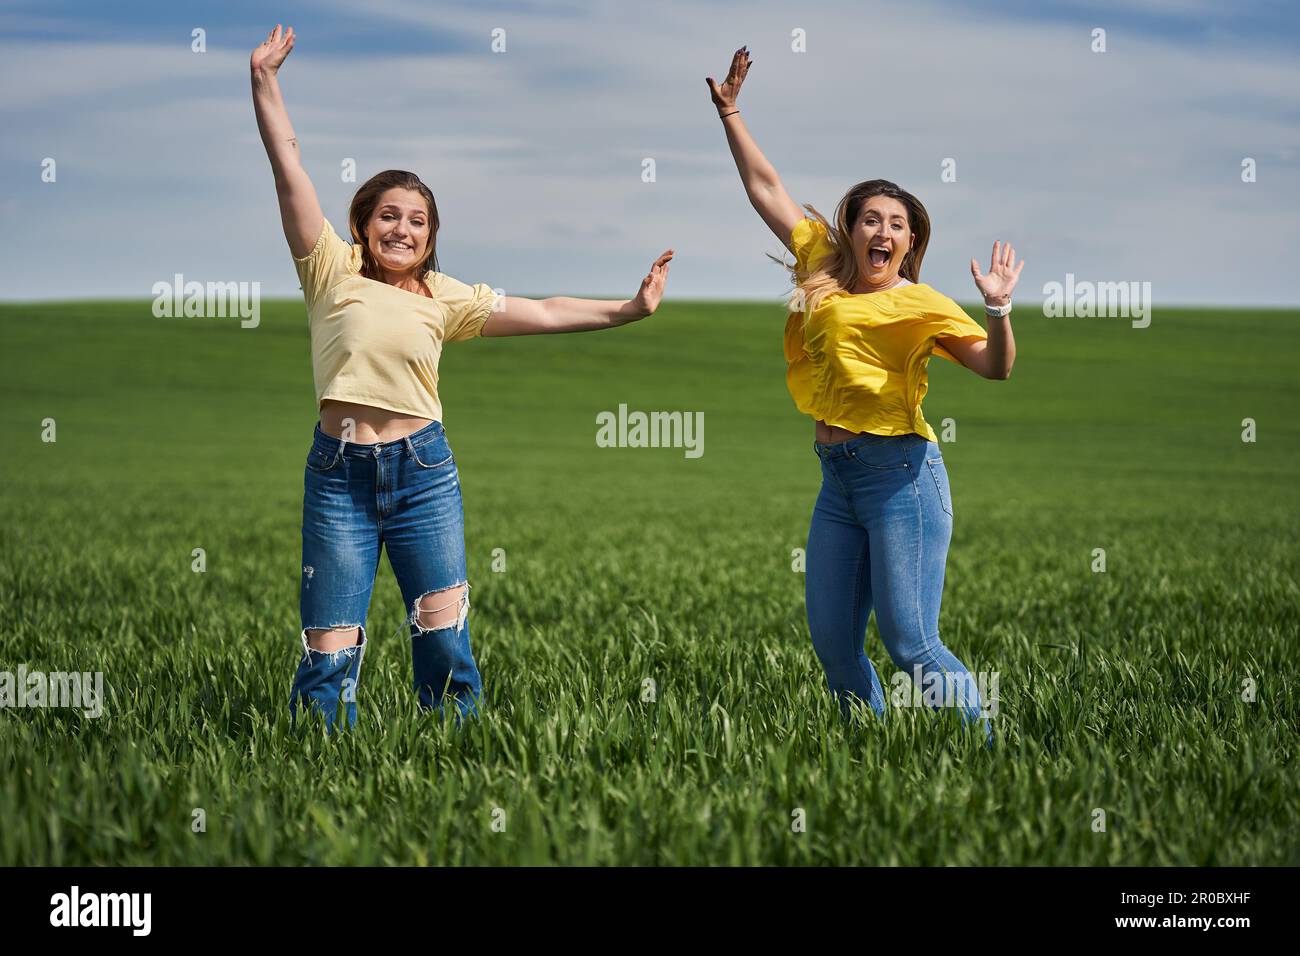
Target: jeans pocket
[(430, 455), (940, 475), (323, 461), (878, 452)]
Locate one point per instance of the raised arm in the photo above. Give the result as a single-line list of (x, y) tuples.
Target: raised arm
[(992, 358), (300, 211), (521, 316), (762, 184)]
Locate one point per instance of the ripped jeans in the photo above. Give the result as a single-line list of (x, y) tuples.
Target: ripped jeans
[(402, 495), (879, 539)]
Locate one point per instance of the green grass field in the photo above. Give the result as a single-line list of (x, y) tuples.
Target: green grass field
[(1120, 691)]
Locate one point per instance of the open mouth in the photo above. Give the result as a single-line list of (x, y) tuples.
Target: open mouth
[(397, 246), (878, 256)]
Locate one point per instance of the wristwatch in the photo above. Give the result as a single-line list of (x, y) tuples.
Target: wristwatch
[(997, 311)]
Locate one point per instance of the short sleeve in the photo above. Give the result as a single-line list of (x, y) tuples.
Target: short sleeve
[(949, 320), (810, 243), (325, 266), (467, 306)]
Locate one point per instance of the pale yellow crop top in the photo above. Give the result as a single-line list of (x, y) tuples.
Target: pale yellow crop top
[(375, 344), (861, 361)]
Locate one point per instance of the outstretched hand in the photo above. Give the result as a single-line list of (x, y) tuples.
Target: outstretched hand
[(1003, 274), (724, 96), (271, 53), (652, 286)]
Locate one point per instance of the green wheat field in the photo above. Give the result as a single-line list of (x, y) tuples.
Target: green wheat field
[(1159, 696)]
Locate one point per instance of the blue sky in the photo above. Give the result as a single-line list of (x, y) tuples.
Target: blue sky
[(1115, 166)]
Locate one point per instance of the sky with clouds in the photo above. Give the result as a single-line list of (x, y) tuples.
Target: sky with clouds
[(1117, 166)]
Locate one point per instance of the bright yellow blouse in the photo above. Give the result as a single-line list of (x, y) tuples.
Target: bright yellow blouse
[(375, 344), (860, 361)]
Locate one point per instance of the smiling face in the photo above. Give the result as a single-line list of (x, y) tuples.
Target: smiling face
[(397, 232), (881, 237)]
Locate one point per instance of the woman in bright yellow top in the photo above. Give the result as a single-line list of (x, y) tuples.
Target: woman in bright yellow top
[(380, 473), (859, 337)]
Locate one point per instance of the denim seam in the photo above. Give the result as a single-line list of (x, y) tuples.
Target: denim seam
[(920, 554), (844, 493), (937, 486), (932, 642), (857, 604), (361, 659)]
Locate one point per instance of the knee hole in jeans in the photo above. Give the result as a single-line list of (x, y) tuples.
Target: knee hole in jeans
[(333, 638), (435, 610)]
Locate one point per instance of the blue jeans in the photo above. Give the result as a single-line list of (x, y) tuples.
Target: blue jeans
[(402, 495), (879, 538)]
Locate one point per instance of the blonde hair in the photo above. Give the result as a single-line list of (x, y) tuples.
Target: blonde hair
[(838, 271)]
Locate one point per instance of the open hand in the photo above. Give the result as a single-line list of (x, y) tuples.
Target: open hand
[(1003, 274), (724, 96), (272, 52), (652, 286)]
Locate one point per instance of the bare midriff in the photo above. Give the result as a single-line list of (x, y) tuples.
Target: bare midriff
[(370, 424), (829, 434)]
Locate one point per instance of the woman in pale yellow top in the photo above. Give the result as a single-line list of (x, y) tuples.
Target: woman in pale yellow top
[(380, 473), (859, 337)]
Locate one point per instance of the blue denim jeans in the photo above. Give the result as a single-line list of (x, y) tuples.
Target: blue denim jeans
[(403, 496), (879, 539)]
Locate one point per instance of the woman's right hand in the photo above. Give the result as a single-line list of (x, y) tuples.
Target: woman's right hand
[(724, 96), (272, 52)]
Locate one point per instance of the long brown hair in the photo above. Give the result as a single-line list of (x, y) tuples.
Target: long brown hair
[(363, 206), (838, 271)]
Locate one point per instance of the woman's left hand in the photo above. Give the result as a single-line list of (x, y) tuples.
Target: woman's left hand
[(1003, 274), (652, 286)]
